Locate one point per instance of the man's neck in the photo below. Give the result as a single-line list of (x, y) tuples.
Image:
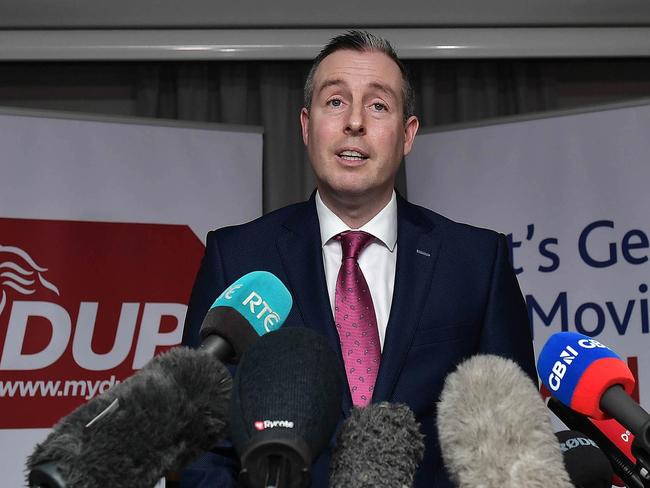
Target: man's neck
[(355, 212)]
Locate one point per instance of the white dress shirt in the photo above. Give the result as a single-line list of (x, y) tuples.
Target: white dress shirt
[(377, 261)]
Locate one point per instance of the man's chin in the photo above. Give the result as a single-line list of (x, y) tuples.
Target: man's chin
[(350, 190)]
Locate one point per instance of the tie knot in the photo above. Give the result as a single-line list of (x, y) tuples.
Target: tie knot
[(353, 242)]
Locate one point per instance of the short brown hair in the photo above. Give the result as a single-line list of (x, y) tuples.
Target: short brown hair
[(362, 41)]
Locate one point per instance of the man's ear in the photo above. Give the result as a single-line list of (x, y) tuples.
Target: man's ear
[(410, 129), (304, 124)]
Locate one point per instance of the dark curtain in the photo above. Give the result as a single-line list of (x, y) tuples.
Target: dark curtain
[(452, 92), (269, 94)]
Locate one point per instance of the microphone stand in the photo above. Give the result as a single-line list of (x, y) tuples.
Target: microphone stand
[(630, 473), (636, 419), (275, 462)]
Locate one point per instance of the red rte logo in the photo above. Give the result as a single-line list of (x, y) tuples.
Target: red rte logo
[(82, 306), (259, 425)]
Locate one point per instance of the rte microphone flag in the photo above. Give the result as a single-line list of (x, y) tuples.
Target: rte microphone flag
[(255, 304)]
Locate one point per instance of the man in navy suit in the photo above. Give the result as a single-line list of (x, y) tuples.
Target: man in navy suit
[(442, 291)]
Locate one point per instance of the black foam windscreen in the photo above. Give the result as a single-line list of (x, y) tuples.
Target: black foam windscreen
[(287, 393), (586, 464)]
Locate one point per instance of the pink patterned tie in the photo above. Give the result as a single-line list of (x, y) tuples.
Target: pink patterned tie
[(355, 320)]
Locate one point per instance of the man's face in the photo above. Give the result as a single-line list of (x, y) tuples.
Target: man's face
[(355, 131)]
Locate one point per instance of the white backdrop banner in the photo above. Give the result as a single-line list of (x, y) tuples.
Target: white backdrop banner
[(571, 193), (101, 234)]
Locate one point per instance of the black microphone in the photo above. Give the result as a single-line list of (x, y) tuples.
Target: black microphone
[(378, 446), (624, 468), (586, 464), (255, 304), (285, 406), (157, 420), (494, 428), (591, 379)]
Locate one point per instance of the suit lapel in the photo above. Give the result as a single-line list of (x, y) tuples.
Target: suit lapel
[(418, 244), (301, 254)]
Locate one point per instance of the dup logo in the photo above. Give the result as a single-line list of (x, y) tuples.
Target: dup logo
[(82, 306)]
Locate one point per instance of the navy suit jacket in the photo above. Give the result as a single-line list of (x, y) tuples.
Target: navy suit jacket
[(455, 295)]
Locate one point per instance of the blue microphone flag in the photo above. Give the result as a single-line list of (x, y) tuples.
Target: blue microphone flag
[(261, 298)]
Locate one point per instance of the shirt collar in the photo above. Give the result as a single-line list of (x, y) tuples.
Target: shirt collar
[(382, 226)]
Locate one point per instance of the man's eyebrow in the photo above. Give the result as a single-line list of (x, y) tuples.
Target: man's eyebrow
[(330, 82), (385, 88), (375, 84)]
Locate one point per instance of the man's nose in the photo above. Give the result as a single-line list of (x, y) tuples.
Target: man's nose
[(355, 124)]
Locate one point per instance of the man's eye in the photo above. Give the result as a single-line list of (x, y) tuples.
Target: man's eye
[(379, 107), (335, 102)]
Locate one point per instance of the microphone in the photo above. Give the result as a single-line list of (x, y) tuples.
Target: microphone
[(591, 379), (586, 464), (494, 429), (620, 437), (157, 420), (255, 304), (173, 387), (622, 463), (285, 406), (378, 445)]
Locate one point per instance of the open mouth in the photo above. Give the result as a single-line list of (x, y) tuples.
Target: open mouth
[(350, 155)]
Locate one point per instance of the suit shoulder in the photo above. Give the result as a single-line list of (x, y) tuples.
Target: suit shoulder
[(456, 230), (267, 225)]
